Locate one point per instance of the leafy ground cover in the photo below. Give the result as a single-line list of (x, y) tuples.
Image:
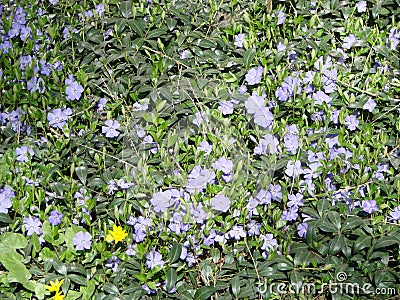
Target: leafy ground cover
[(199, 150)]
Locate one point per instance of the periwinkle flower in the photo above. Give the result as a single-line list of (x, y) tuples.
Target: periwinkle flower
[(254, 75), (198, 179), (55, 217), (281, 18), (237, 232), (74, 91), (239, 40), (361, 6), (82, 240), (395, 213), (269, 242), (293, 169), (22, 153), (370, 105), (6, 194), (36, 84), (302, 229), (111, 128), (59, 117), (112, 263), (32, 225), (221, 203), (369, 206), (349, 41), (351, 122), (154, 259), (253, 228)]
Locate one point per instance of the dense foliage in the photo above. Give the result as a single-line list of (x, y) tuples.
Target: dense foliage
[(199, 149)]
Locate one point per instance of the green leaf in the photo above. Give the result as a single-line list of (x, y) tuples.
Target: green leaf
[(327, 226), (110, 288), (171, 277), (175, 253), (385, 241), (139, 26), (82, 172), (235, 284), (126, 9), (248, 58), (336, 244), (296, 279), (335, 219), (77, 279), (361, 243), (204, 292), (322, 206)]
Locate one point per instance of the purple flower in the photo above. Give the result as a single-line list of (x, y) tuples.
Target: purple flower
[(74, 91), (237, 232), (160, 202), (131, 250), (149, 290), (295, 201), (82, 240), (226, 107), (200, 117), (395, 214), (32, 225), (224, 165), (112, 263), (5, 199), (302, 229), (263, 197), (22, 153), (394, 38), (253, 228), (370, 105), (361, 6), (242, 89), (320, 97), (268, 144), (35, 84), (205, 147), (291, 142), (100, 9), (281, 18), (111, 128), (351, 122), (290, 215), (58, 117), (198, 179), (221, 203), (239, 39), (208, 241), (275, 191), (254, 75), (349, 41), (269, 242), (19, 15), (254, 103), (280, 47), (263, 117), (24, 60), (293, 169), (101, 105), (154, 259), (55, 217), (288, 88), (369, 206)]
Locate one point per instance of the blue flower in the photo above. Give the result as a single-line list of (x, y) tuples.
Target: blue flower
[(55, 217), (74, 91), (254, 75), (281, 18), (349, 41), (111, 128), (154, 259), (6, 194), (369, 206), (82, 240), (239, 39), (221, 203), (22, 153)]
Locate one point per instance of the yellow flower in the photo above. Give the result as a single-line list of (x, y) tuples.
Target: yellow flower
[(59, 296), (54, 286), (109, 238), (118, 234)]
